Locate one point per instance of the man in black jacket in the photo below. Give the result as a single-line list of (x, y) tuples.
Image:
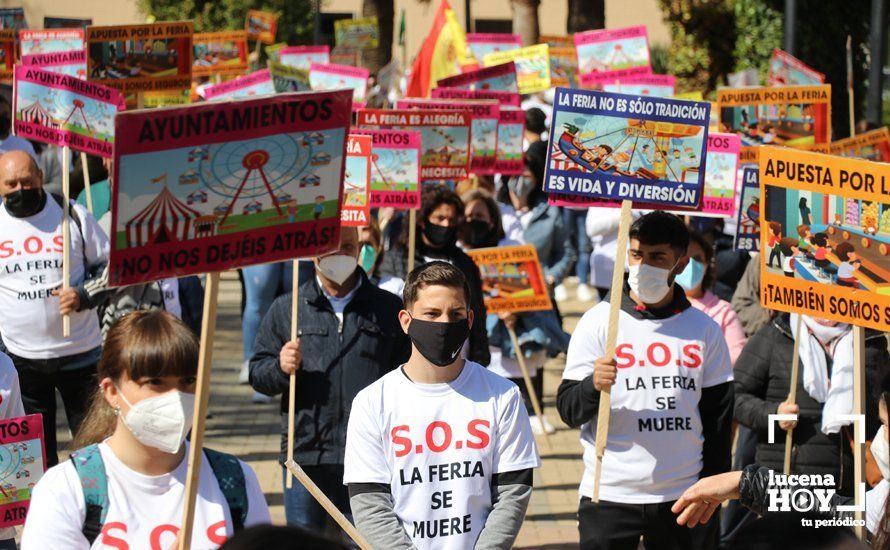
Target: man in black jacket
[(349, 336), (672, 397)]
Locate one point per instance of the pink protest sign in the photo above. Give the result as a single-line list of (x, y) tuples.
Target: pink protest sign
[(622, 52), (64, 110), (334, 77), (484, 43), (511, 131), (445, 137), (21, 443), (395, 168), (72, 63), (221, 185), (50, 40), (657, 85), (722, 161), (486, 114), (255, 84), (718, 198), (301, 57), (506, 99), (497, 77), (356, 208)]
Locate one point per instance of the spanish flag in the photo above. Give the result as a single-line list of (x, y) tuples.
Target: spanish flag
[(443, 53)]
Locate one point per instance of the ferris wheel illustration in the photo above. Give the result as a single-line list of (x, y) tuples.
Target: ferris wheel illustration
[(255, 170), (391, 167)]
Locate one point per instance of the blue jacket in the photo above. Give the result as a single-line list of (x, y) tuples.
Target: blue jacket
[(338, 362), (548, 233), (535, 330)]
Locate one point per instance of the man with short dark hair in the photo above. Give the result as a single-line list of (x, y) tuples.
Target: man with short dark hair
[(32, 302), (672, 399), (439, 452), (349, 336)]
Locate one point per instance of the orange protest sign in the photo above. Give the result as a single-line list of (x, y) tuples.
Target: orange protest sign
[(223, 53), (141, 58), (873, 145), (512, 280), (261, 26), (793, 116), (825, 236)]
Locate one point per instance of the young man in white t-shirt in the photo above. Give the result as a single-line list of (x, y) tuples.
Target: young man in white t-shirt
[(439, 452), (672, 399)]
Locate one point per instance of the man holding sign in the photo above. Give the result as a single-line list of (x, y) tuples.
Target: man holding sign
[(671, 391), (439, 453), (348, 338), (33, 304)]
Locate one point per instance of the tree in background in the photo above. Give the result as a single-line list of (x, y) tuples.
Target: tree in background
[(384, 10), (585, 15), (294, 23), (703, 34), (711, 38), (762, 26), (525, 20)]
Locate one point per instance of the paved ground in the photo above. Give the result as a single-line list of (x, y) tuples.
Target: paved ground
[(252, 432)]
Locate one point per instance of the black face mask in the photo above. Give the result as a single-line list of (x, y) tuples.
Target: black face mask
[(439, 343), (24, 202), (477, 233), (440, 236)]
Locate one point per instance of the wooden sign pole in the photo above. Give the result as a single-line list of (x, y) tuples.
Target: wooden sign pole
[(792, 390), (66, 234), (605, 406), (202, 395), (326, 503), (292, 392), (858, 363), (528, 386), (858, 443), (412, 235), (851, 103), (86, 181)]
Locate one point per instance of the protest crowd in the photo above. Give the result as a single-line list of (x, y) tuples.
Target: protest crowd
[(408, 243)]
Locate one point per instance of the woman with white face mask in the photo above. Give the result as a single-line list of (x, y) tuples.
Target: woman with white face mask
[(125, 486)]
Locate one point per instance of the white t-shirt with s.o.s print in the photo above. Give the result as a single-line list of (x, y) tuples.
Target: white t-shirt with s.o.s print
[(437, 446), (143, 511)]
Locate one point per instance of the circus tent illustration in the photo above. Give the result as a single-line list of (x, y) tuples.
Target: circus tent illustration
[(166, 219), (37, 114)]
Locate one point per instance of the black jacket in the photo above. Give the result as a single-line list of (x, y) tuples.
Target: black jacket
[(578, 400), (338, 362), (762, 378), (395, 264)]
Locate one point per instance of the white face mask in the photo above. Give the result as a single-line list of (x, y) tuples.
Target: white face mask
[(161, 422), (881, 451), (650, 283), (337, 267)]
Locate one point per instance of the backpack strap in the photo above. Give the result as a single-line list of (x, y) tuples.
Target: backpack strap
[(94, 481), (230, 477)]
